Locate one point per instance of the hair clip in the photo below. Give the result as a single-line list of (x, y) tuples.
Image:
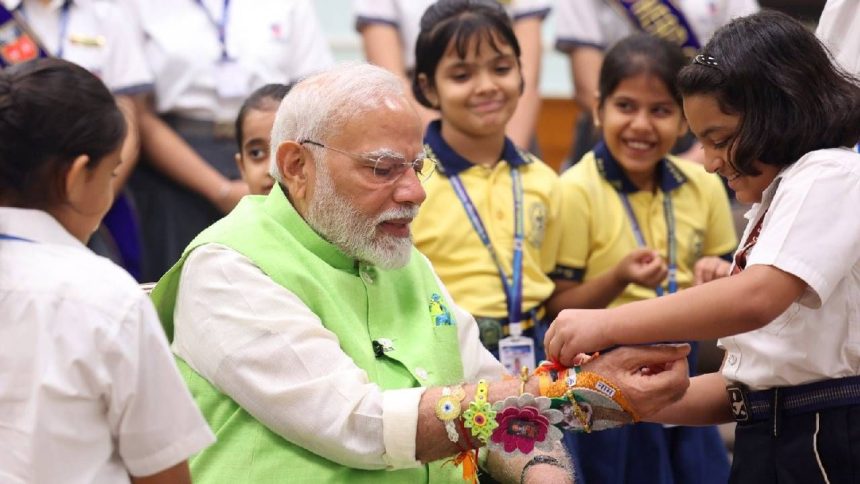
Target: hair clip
[(706, 60)]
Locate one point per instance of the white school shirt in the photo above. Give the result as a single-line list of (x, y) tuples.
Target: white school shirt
[(839, 29), (276, 41), (100, 36), (811, 230), (89, 391), (405, 15), (596, 23), (298, 363)]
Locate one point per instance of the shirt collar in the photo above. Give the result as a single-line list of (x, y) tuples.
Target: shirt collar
[(670, 176), (35, 225), (452, 163)]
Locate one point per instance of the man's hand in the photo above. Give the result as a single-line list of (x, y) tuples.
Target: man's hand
[(576, 331), (709, 268), (650, 377)]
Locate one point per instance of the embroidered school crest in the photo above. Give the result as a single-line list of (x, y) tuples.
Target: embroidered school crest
[(439, 313), (537, 216)]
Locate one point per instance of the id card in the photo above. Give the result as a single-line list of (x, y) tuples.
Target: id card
[(516, 352), (231, 80)]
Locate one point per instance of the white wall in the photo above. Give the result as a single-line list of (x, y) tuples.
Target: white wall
[(337, 21)]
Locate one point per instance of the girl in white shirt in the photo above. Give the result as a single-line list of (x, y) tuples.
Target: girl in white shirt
[(89, 392), (776, 119)]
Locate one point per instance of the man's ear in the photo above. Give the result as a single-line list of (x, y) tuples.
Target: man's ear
[(428, 90), (76, 180), (294, 163)]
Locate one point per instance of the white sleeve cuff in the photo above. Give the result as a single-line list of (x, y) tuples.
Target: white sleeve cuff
[(400, 427)]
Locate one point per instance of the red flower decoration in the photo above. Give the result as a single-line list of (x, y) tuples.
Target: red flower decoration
[(519, 429)]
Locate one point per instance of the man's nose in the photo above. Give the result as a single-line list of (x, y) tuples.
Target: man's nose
[(408, 189)]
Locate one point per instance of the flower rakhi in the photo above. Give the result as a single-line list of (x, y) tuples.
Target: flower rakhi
[(480, 418), (525, 423)]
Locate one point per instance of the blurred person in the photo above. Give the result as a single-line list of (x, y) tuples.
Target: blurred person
[(207, 56), (99, 35), (253, 136), (389, 29)]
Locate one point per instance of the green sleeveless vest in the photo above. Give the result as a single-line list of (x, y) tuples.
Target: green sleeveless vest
[(355, 301)]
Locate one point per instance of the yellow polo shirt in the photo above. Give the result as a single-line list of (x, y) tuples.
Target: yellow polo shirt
[(443, 232), (597, 233)]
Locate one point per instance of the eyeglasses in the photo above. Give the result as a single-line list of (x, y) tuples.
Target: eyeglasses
[(388, 166)]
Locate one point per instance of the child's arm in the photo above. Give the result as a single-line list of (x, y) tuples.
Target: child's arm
[(641, 266), (704, 403), (724, 307)]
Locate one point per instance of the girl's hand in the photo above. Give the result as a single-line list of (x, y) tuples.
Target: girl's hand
[(709, 268), (642, 266), (575, 331)]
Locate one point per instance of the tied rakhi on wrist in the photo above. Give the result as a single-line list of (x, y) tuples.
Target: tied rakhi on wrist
[(588, 401)]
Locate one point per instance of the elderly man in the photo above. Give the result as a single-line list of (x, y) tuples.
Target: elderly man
[(316, 339)]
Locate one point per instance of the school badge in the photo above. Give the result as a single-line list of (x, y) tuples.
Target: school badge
[(17, 43)]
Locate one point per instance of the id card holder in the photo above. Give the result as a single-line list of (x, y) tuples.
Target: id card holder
[(231, 79), (516, 352)]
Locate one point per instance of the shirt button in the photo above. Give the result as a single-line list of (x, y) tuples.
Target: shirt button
[(421, 373), (366, 276), (733, 360)]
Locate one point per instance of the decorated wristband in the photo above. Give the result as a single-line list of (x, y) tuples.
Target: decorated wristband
[(448, 410)]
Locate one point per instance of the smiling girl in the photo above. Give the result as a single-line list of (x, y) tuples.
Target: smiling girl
[(776, 119), (640, 223), (489, 224)]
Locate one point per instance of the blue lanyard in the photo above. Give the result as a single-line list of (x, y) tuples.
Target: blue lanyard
[(513, 286), (14, 238), (670, 228), (64, 25), (220, 26)]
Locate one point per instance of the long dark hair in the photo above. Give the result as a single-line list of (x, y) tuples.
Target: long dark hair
[(458, 21), (771, 71), (51, 111)]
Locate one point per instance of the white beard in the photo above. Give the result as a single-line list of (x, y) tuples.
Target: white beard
[(333, 217)]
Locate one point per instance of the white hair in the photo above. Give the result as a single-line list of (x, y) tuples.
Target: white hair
[(323, 103)]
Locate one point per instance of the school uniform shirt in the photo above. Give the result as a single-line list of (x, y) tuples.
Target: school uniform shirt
[(601, 23), (265, 41), (405, 15), (99, 35), (443, 232), (837, 28), (89, 391), (597, 232), (810, 230)]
